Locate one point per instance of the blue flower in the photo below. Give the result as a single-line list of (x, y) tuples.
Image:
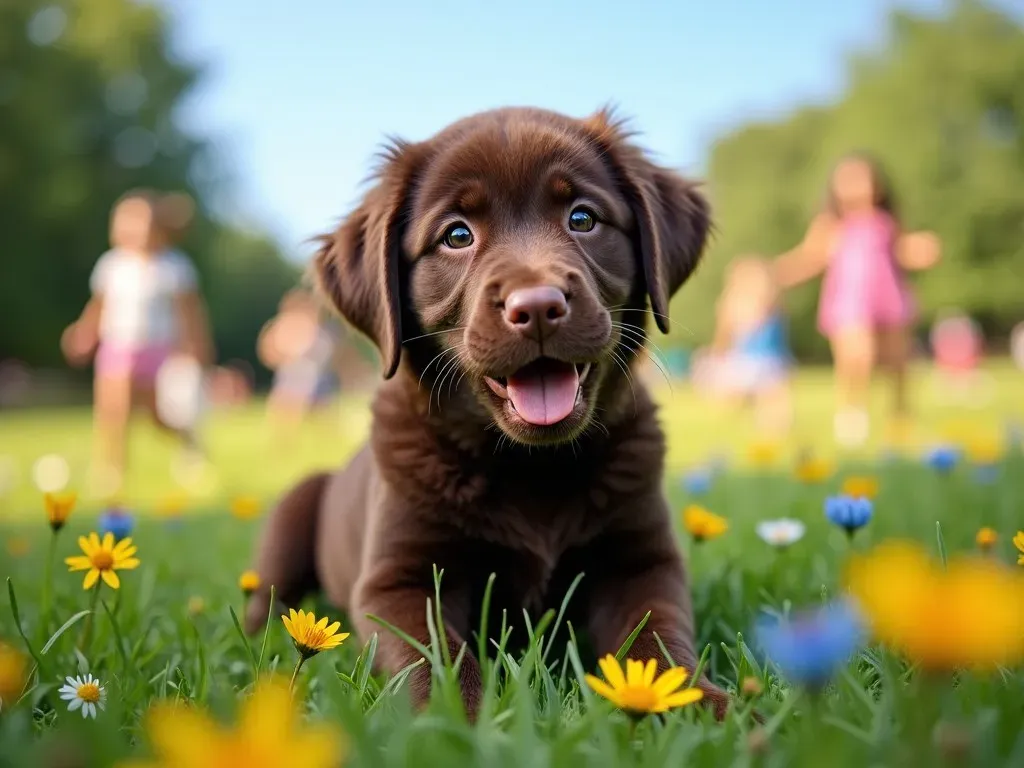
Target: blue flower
[(809, 648), (697, 481), (943, 459), (117, 522), (848, 512), (986, 474)]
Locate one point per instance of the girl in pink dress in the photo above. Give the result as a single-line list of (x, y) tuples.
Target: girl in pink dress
[(866, 309)]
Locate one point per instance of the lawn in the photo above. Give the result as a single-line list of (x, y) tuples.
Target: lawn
[(168, 632)]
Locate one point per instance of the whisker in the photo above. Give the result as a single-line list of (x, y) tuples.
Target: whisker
[(434, 333), (426, 368), (625, 370)]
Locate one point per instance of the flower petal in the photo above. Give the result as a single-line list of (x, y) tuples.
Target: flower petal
[(601, 688), (682, 698), (75, 704), (108, 541), (94, 542), (322, 624), (649, 671), (122, 547), (669, 681), (612, 671), (111, 579), (91, 578), (333, 628), (78, 563), (127, 565)]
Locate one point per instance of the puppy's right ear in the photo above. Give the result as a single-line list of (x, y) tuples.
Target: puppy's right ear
[(357, 267)]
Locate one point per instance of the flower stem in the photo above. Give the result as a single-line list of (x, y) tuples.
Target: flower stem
[(295, 673), (44, 603), (83, 639)]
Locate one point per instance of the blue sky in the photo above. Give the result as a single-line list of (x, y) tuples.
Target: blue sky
[(299, 94)]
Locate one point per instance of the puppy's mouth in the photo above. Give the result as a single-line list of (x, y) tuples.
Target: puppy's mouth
[(544, 392)]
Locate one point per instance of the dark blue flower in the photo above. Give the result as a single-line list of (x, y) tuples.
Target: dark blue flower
[(808, 649), (697, 481), (118, 522), (943, 459), (848, 512)]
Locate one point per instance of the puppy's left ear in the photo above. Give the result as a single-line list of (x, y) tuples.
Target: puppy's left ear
[(673, 219)]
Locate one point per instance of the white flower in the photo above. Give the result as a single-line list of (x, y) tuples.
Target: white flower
[(84, 693), (781, 532)]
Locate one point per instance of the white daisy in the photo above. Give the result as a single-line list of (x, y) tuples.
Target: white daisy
[(84, 693), (781, 532)]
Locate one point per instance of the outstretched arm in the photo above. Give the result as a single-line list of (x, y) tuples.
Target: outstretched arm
[(918, 250), (809, 258)]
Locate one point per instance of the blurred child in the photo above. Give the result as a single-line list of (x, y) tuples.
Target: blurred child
[(300, 347), (749, 355), (145, 308), (865, 309)]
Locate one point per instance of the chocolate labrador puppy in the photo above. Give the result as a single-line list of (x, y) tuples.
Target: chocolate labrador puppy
[(503, 268)]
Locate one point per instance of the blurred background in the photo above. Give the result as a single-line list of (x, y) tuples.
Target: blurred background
[(268, 114)]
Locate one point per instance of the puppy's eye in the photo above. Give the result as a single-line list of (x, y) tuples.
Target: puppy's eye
[(581, 220), (458, 236)]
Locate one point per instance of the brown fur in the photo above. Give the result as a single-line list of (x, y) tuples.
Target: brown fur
[(450, 475)]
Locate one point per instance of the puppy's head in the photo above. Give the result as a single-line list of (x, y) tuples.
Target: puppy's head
[(514, 253)]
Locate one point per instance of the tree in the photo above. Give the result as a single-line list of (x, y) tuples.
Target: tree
[(942, 106), (88, 95)]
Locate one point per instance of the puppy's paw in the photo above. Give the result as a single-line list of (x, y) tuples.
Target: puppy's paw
[(716, 699)]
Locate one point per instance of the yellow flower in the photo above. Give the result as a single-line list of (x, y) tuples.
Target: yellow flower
[(58, 508), (970, 614), (196, 605), (269, 734), (311, 636), (702, 524), (249, 582), (860, 487), (102, 558), (763, 453), (986, 538), (1018, 542), (984, 451), (13, 675), (638, 692), (813, 470), (245, 507)]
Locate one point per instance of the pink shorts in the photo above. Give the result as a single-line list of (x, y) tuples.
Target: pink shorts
[(138, 363)]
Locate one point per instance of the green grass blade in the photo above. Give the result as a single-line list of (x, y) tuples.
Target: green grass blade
[(624, 648), (64, 628), (561, 612), (366, 660), (245, 643), (118, 638), (266, 633), (485, 615), (941, 542), (21, 630), (402, 635), (701, 663)]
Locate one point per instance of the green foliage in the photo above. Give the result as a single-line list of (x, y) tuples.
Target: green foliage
[(537, 710), (88, 103), (941, 104)]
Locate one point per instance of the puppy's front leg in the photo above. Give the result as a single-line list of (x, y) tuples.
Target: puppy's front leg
[(639, 569), (405, 607)]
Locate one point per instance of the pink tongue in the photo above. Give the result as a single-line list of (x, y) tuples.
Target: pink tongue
[(544, 396)]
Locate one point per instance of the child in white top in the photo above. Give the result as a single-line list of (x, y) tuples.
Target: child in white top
[(145, 307)]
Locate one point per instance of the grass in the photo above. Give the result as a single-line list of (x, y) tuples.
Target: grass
[(150, 640)]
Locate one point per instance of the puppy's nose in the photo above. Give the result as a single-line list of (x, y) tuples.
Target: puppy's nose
[(536, 312)]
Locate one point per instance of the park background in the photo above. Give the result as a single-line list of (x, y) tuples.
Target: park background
[(268, 115)]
